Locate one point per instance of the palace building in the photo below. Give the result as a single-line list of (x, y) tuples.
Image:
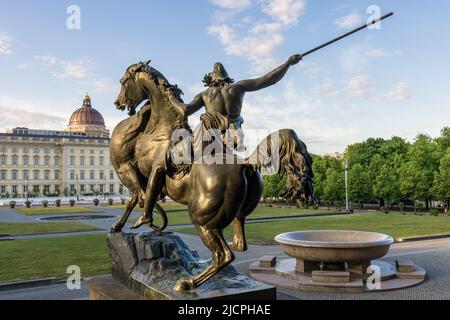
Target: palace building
[(72, 162)]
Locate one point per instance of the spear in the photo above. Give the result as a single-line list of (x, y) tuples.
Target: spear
[(347, 34)]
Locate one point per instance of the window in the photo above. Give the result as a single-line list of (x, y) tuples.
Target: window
[(92, 175), (102, 188), (111, 175), (47, 161), (82, 175), (2, 189), (72, 161), (102, 161), (14, 150), (47, 175), (37, 150), (47, 151), (102, 175), (15, 160), (25, 189), (36, 161), (36, 189), (57, 161), (14, 175), (92, 161), (3, 149), (14, 189), (36, 174), (26, 160), (3, 160), (57, 189), (92, 187), (72, 188), (26, 150), (111, 188), (26, 175), (72, 175), (57, 175), (82, 188), (46, 189), (82, 161), (3, 175)]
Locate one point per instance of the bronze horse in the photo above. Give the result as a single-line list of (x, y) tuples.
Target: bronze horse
[(216, 194)]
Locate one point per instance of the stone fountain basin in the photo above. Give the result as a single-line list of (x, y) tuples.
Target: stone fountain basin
[(335, 246)]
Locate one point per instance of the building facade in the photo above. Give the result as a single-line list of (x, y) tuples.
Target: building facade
[(72, 162)]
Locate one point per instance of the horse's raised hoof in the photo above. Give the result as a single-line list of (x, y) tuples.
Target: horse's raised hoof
[(184, 285), (141, 221), (115, 229), (239, 247)]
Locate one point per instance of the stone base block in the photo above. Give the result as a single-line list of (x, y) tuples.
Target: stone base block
[(304, 266), (331, 276), (404, 265), (268, 261)]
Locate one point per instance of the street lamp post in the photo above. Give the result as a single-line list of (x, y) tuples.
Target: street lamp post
[(347, 207), (78, 196)]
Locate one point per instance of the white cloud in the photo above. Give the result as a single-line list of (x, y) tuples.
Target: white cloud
[(232, 4), (327, 87), (284, 11), (359, 86), (399, 92), (5, 43), (349, 21), (258, 40), (63, 69), (381, 53), (106, 86)]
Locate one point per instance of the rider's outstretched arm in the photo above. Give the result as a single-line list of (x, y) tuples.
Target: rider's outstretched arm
[(271, 78), (190, 108)]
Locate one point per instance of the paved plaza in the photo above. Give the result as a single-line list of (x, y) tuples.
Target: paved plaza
[(433, 255)]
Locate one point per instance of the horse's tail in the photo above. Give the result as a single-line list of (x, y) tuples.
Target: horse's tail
[(284, 153)]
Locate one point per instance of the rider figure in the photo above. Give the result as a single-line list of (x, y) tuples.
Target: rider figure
[(223, 101)]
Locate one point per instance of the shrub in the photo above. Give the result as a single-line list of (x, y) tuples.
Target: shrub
[(72, 203), (45, 203), (434, 212), (96, 202), (123, 200), (58, 203), (316, 207), (110, 201), (28, 204), (12, 204)]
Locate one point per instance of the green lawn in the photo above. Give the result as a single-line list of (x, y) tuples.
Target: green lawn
[(50, 257), (43, 227), (396, 225), (178, 214), (54, 210)]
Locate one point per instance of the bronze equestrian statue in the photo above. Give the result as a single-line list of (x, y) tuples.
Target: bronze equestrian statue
[(216, 194), (223, 103)]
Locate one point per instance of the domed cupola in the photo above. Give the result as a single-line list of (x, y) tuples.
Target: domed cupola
[(87, 120)]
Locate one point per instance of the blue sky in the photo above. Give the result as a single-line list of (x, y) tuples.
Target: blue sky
[(392, 81)]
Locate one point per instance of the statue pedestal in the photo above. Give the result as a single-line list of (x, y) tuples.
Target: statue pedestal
[(148, 265)]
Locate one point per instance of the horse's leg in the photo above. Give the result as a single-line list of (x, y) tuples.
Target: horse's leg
[(239, 240), (255, 188), (221, 257), (154, 189), (117, 227), (136, 179)]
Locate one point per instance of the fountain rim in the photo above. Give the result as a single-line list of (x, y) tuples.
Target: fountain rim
[(383, 240)]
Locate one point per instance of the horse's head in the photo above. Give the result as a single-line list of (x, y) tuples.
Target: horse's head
[(132, 93)]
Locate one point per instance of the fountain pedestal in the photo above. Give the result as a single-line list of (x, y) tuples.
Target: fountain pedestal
[(337, 261)]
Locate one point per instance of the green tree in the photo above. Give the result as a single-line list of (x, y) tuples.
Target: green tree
[(359, 188), (321, 165), (417, 173), (387, 186), (334, 189), (441, 185)]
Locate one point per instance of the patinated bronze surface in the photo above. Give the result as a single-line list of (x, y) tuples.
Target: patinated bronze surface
[(216, 194)]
